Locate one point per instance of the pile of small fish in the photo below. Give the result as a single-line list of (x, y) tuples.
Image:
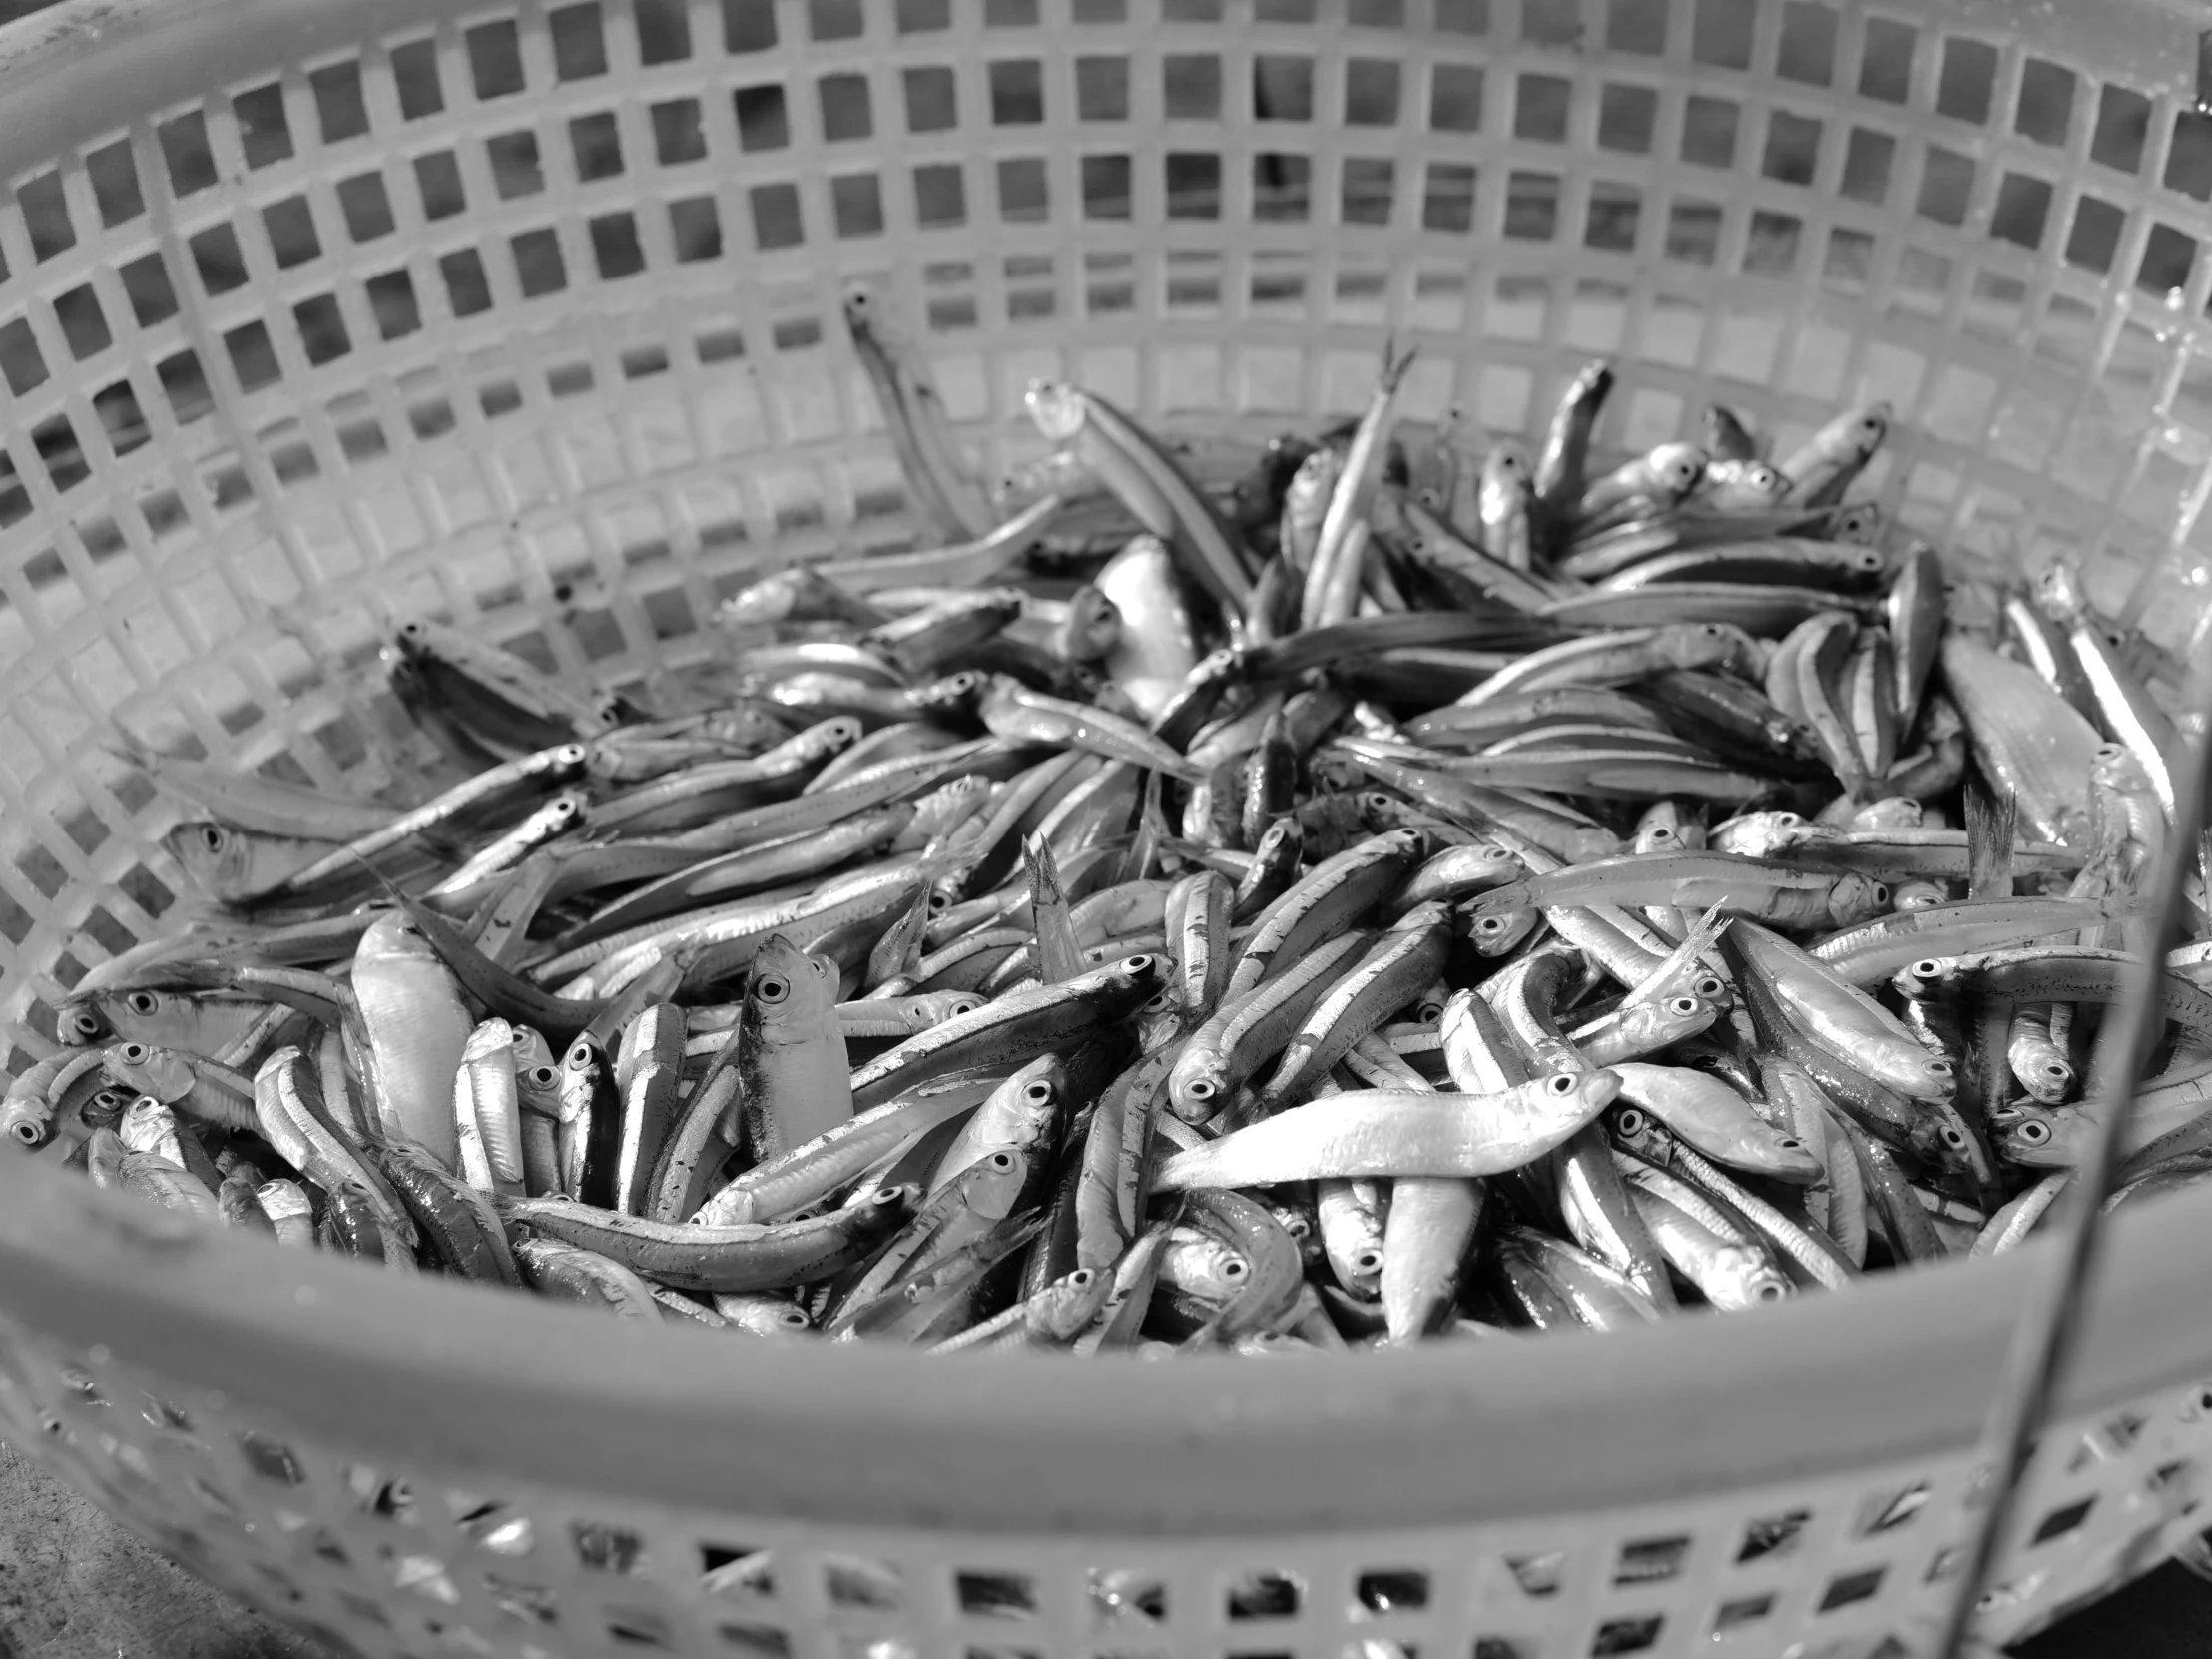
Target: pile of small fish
[(1355, 891)]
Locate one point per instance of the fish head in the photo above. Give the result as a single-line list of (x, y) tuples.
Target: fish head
[(955, 694), (393, 936), (745, 726), (790, 996), (2043, 1137), (2115, 767), (215, 856), (1057, 408), (26, 1119), (1638, 1131), (1676, 467), (1093, 625), (415, 640), (2059, 594), (1738, 1276), (1856, 898), (1497, 933), (1918, 895), (1892, 811), (491, 1037), (766, 602), (1198, 1086), (1863, 431), (1061, 1310), (1508, 464), (989, 1186), (1314, 481), (146, 1123), (83, 1020), (1858, 522), (160, 1072)]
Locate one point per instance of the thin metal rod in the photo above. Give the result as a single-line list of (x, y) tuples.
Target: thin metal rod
[(2050, 1320)]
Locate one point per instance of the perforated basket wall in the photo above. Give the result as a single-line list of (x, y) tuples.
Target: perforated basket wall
[(316, 313)]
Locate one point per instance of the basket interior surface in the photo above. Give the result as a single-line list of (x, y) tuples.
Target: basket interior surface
[(317, 314)]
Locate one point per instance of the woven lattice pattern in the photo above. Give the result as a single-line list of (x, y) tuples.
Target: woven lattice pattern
[(528, 319), (397, 1560)]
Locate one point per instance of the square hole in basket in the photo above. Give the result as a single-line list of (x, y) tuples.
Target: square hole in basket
[(1368, 186), (1538, 1575), (1393, 1589), (339, 106), (1626, 1635), (640, 1627), (2022, 210), (1505, 1647), (1371, 92), (1447, 199), (1849, 1587), (1793, 148), (1106, 182), (1627, 117), (289, 225), (763, 121), (1003, 1595), (20, 362), (2122, 127), (601, 1548), (595, 146), (186, 154), (82, 322), (856, 204), (1651, 1560), (1264, 1594), (1282, 186), (1614, 214), (1885, 63), (1117, 1596), (1867, 157), (1190, 86), (2168, 255), (1017, 92), (438, 180), (1775, 1535), (579, 43), (932, 101), (1542, 103), (265, 132), (679, 135), (494, 59), (366, 208), (1694, 232), (855, 1581), (1282, 87), (755, 1641), (1456, 98), (1532, 206), (695, 226), (940, 194), (515, 168), (2062, 1521), (614, 246), (847, 112), (1709, 132), (1721, 33), (322, 330), (2096, 234), (215, 255)]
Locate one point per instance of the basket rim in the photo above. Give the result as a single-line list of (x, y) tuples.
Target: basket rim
[(461, 1377), (457, 1378)]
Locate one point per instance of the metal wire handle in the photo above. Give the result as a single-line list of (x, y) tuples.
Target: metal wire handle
[(2050, 1320)]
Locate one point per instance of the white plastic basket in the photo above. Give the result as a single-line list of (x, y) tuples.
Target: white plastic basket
[(317, 311)]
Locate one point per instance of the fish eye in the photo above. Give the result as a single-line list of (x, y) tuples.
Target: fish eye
[(1768, 1291), (141, 1002), (1003, 1160), (1790, 1143), (411, 630), (1158, 1004), (966, 1005), (1939, 1068), (887, 1194), (1491, 924), (940, 904), (1199, 1088), (1081, 1277), (1135, 964), (1926, 968), (791, 1318), (542, 1076), (134, 1054), (1710, 986), (1880, 894), (1953, 1136), (1630, 1122), (210, 838), (1561, 1084), (1366, 1262), (2034, 1132), (1235, 1268), (1039, 1093), (771, 989), (1682, 1008)]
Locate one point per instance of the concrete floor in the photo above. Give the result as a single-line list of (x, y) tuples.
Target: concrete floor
[(73, 1586)]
